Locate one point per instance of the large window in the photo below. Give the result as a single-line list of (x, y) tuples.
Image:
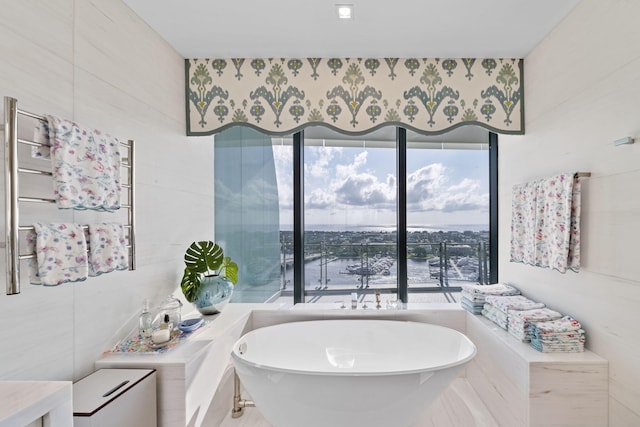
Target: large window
[(350, 198), (447, 206), (341, 233)]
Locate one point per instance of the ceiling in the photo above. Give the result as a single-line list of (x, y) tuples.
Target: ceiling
[(380, 28)]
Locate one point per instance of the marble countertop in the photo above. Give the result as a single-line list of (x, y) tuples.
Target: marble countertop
[(198, 341), (22, 402)]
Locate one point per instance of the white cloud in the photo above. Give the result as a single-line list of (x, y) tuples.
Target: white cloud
[(323, 157), (320, 199), (345, 171), (365, 189), (426, 182), (333, 187), (464, 196)]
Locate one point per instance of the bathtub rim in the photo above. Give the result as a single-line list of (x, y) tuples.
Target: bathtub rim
[(237, 359)]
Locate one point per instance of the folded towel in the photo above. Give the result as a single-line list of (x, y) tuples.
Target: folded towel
[(565, 324), (561, 335), (85, 165), (534, 315), (494, 289), (61, 254), (570, 348), (475, 298), (495, 315), (512, 302), (519, 321), (107, 248), (471, 306)]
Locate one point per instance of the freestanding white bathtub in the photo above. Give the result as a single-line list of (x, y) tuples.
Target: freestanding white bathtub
[(374, 373)]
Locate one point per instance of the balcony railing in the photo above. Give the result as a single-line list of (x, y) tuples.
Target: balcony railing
[(339, 269)]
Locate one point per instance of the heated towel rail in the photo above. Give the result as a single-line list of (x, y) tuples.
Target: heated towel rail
[(13, 199)]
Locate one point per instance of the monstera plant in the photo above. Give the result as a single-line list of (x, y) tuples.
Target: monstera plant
[(203, 260)]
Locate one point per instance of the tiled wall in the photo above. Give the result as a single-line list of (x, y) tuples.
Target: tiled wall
[(582, 93), (100, 64)]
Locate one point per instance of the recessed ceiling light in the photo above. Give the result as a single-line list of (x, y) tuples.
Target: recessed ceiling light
[(345, 11)]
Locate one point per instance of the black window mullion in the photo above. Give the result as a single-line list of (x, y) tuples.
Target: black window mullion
[(401, 244), (298, 217), (493, 207)]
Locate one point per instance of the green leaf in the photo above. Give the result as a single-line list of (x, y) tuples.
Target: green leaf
[(203, 257), (230, 270), (190, 284)]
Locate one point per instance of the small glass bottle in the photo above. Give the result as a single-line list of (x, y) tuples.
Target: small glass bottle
[(145, 321)]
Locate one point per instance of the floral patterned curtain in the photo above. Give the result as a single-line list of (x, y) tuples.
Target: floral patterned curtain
[(354, 95)]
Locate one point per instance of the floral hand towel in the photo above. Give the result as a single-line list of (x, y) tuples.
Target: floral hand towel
[(61, 254), (545, 223), (555, 217), (523, 222), (85, 166), (41, 135), (107, 249)]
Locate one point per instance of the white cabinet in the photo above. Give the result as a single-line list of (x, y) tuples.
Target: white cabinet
[(116, 397)]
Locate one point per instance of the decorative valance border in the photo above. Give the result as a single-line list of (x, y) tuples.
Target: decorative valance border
[(354, 95)]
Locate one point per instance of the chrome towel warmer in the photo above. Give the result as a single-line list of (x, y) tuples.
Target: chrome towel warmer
[(13, 200)]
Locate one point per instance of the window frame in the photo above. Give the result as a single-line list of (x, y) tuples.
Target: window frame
[(401, 213)]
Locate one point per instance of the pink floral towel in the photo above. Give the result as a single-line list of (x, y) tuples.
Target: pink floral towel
[(107, 249), (61, 254), (85, 165), (545, 223)]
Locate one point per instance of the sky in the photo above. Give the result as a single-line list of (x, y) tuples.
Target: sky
[(347, 187)]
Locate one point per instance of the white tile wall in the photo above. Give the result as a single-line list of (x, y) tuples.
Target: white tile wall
[(582, 93), (98, 63)]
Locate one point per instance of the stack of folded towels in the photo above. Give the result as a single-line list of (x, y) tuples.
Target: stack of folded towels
[(473, 296), (519, 321), (496, 308), (563, 335)]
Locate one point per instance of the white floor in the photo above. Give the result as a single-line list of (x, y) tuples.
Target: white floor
[(458, 406)]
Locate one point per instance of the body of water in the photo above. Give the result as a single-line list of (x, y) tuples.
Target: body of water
[(388, 228)]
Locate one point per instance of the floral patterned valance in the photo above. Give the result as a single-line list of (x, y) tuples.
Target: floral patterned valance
[(354, 95)]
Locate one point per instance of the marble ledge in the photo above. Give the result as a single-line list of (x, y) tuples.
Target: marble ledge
[(192, 347), (524, 350), (259, 315), (23, 402)]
